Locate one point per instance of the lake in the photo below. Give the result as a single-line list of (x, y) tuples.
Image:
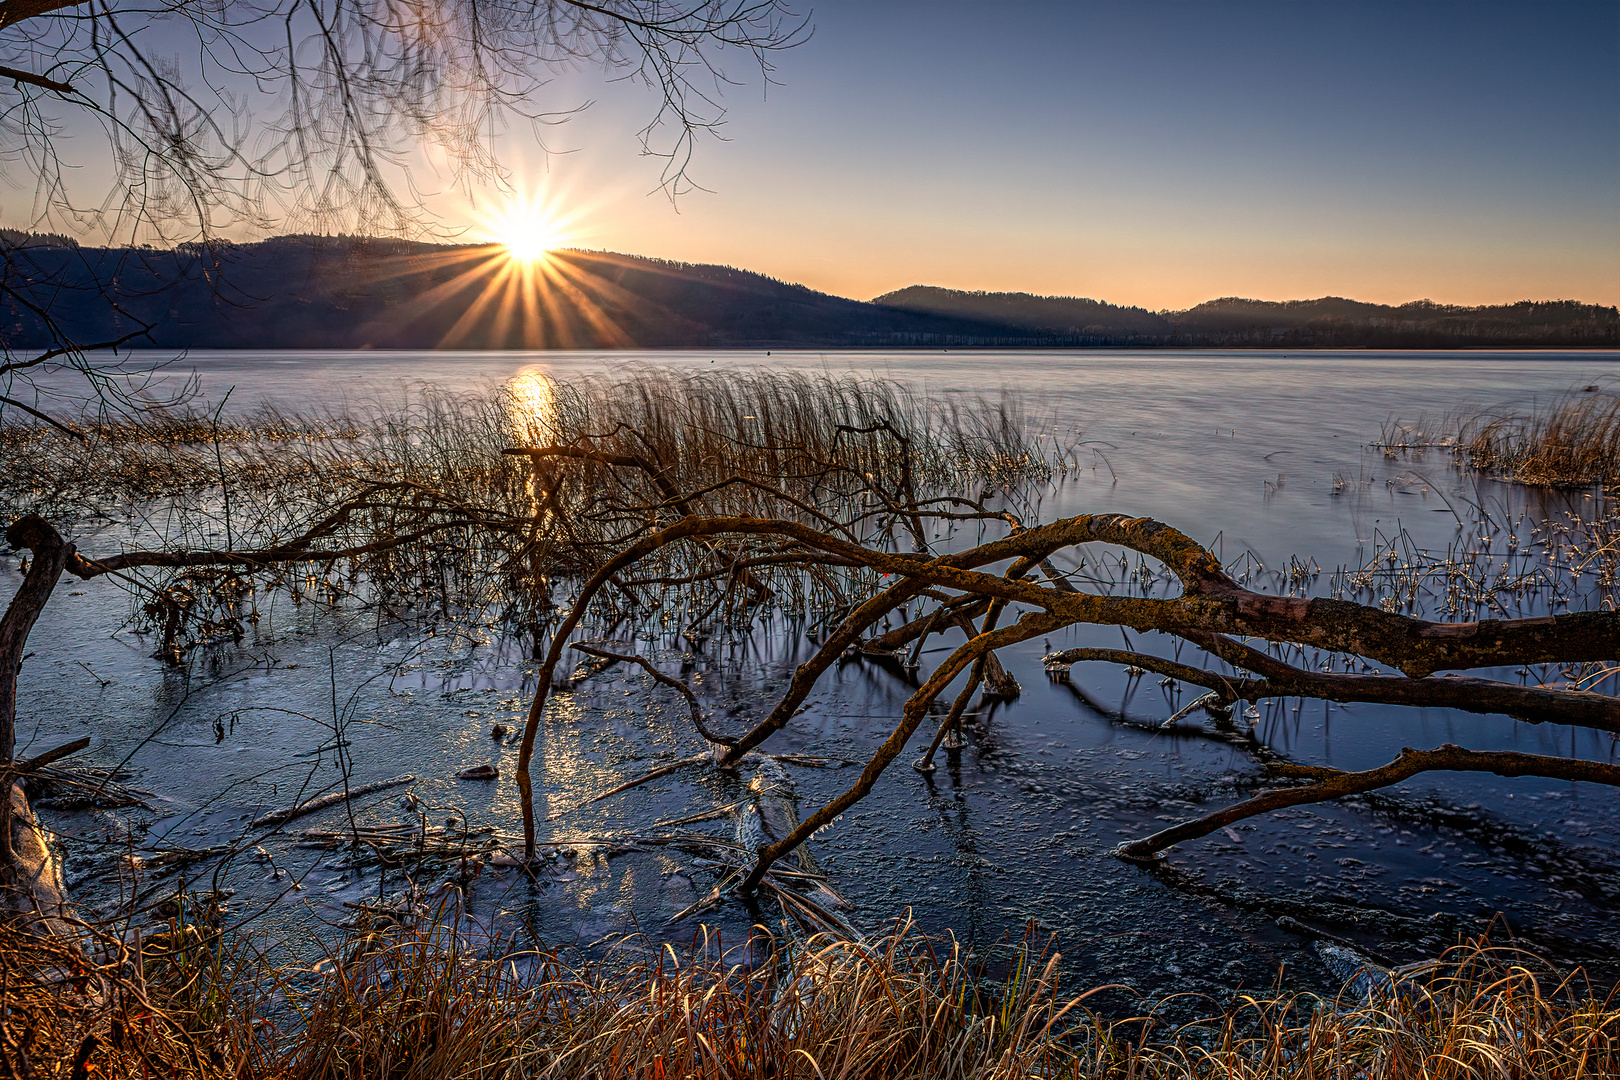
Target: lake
[(1262, 456)]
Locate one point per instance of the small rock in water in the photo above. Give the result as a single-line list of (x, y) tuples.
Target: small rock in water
[(479, 772), (499, 731)]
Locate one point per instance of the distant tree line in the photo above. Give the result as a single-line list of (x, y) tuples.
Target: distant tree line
[(355, 292), (1236, 322)]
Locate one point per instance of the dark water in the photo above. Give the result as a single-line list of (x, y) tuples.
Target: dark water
[(1254, 453)]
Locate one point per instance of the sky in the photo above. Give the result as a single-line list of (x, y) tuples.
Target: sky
[(1150, 152)]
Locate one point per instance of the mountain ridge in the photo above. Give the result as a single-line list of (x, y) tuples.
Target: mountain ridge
[(363, 292)]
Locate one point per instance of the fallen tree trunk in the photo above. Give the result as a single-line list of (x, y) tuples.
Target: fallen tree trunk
[(1212, 612)]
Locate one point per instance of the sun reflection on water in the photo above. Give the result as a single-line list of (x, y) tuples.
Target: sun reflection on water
[(532, 407)]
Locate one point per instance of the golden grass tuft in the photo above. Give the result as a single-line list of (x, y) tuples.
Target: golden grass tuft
[(1572, 442), (423, 1006)]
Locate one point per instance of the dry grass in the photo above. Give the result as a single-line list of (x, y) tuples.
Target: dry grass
[(1481, 1012), (1572, 442), (493, 535), (422, 1006)]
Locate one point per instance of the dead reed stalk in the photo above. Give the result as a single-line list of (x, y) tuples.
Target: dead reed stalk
[(1573, 441)]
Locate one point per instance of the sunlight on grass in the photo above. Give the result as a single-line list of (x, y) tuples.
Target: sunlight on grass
[(416, 1001)]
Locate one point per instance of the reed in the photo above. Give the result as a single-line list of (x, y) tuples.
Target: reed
[(1573, 441), (700, 428), (424, 1005), (450, 527)]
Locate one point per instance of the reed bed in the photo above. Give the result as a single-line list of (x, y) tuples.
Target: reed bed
[(701, 429), (1499, 565), (1574, 441), (487, 535), (424, 1004)]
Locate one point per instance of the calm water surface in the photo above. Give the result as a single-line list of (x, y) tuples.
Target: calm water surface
[(1259, 453)]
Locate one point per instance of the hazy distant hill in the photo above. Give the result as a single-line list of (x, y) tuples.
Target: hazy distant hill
[(300, 292), (1234, 322), (1066, 316), (1333, 320)]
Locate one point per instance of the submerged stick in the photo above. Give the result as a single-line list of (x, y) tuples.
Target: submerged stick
[(644, 778), (1334, 784), (1213, 698), (330, 799)]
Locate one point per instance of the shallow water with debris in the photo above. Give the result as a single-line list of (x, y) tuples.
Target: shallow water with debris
[(1261, 456)]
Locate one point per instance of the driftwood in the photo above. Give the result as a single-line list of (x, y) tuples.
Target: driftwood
[(331, 798), (49, 757), (1212, 612)]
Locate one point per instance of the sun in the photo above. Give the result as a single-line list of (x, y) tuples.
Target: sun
[(530, 235), (522, 289), (528, 227)]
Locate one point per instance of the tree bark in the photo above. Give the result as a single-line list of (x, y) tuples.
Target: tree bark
[(51, 553)]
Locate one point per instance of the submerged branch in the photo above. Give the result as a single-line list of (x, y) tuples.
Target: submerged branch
[(1333, 784)]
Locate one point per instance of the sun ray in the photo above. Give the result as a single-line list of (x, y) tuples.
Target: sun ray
[(588, 303), (520, 290), (463, 330)]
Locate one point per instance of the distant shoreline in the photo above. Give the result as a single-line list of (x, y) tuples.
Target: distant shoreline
[(345, 293)]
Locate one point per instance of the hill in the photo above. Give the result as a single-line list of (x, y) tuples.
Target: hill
[(308, 292), (1329, 322), (1060, 316), (299, 292)]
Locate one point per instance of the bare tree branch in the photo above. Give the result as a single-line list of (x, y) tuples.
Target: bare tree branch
[(1332, 784)]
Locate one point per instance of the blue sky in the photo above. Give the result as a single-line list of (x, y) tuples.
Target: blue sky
[(1157, 153), (1154, 152)]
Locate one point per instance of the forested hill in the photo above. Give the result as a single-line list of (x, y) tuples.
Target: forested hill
[(1232, 322), (301, 292)]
